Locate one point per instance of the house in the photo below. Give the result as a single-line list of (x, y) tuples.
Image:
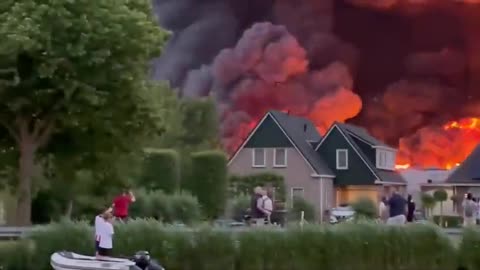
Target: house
[(462, 180), (347, 163), (428, 180)]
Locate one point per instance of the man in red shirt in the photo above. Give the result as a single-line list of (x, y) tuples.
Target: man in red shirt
[(121, 203)]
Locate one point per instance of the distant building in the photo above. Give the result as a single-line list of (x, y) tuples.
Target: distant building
[(428, 180)]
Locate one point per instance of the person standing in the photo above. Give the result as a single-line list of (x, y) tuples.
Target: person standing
[(121, 204), (383, 210), (99, 219), (469, 211), (397, 206), (410, 209), (106, 232), (257, 215), (266, 206)]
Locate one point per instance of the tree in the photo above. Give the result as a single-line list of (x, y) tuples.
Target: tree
[(428, 203), (200, 124), (440, 195), (76, 69)]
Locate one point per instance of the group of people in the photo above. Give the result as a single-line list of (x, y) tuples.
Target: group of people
[(397, 210), (261, 207), (104, 223)]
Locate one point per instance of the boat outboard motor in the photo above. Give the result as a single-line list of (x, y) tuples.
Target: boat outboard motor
[(143, 261)]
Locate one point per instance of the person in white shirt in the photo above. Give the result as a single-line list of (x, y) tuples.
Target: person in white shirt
[(106, 232), (265, 205), (99, 219)]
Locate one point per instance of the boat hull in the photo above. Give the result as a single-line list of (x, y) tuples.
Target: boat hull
[(65, 260)]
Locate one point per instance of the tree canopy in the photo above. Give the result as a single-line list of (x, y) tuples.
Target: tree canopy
[(73, 82)]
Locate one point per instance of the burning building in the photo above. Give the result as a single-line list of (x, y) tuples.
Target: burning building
[(408, 71)]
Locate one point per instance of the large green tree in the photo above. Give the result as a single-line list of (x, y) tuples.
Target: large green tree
[(74, 70)]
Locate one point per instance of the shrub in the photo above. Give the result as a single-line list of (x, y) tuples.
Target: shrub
[(365, 208), (299, 204), (238, 207), (342, 247), (178, 207), (245, 184), (449, 221), (161, 170), (468, 250), (208, 181)]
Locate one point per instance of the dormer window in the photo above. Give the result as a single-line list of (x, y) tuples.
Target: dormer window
[(385, 159)]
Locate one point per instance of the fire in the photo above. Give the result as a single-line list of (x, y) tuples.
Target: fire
[(445, 148), (402, 166)]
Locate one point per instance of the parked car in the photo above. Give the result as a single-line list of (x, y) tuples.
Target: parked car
[(341, 214)]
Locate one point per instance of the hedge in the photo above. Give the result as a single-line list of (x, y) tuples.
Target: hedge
[(449, 221), (245, 184), (208, 181), (469, 249), (161, 170), (169, 208), (341, 247)]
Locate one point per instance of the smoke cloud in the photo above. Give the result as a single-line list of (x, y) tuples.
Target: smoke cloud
[(400, 68)]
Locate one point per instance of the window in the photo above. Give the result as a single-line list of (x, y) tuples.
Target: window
[(296, 193), (279, 157), (259, 157), (342, 159), (385, 160)]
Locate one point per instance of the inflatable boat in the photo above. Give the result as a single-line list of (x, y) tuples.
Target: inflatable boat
[(65, 260)]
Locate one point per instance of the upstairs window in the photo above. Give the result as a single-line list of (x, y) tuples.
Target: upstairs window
[(280, 157), (342, 159), (385, 159), (259, 157)]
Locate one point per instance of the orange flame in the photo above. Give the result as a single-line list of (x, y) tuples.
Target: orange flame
[(464, 135)]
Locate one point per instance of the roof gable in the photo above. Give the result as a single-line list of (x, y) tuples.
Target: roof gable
[(298, 131), (349, 132), (301, 131), (469, 170), (362, 134)]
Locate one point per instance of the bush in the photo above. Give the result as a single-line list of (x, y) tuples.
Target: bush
[(449, 221), (342, 247), (161, 170), (365, 208), (208, 181), (245, 184), (238, 207), (178, 207), (298, 205), (468, 250)]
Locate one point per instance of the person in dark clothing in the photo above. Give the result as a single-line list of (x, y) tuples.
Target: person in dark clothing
[(410, 209), (397, 205), (256, 215)]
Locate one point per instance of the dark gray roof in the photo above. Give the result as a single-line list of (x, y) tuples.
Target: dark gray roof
[(362, 134), (300, 131), (384, 175), (469, 171)]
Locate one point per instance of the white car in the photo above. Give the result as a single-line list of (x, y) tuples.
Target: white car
[(340, 214)]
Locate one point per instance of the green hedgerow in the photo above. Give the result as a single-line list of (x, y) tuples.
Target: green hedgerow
[(340, 247)]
